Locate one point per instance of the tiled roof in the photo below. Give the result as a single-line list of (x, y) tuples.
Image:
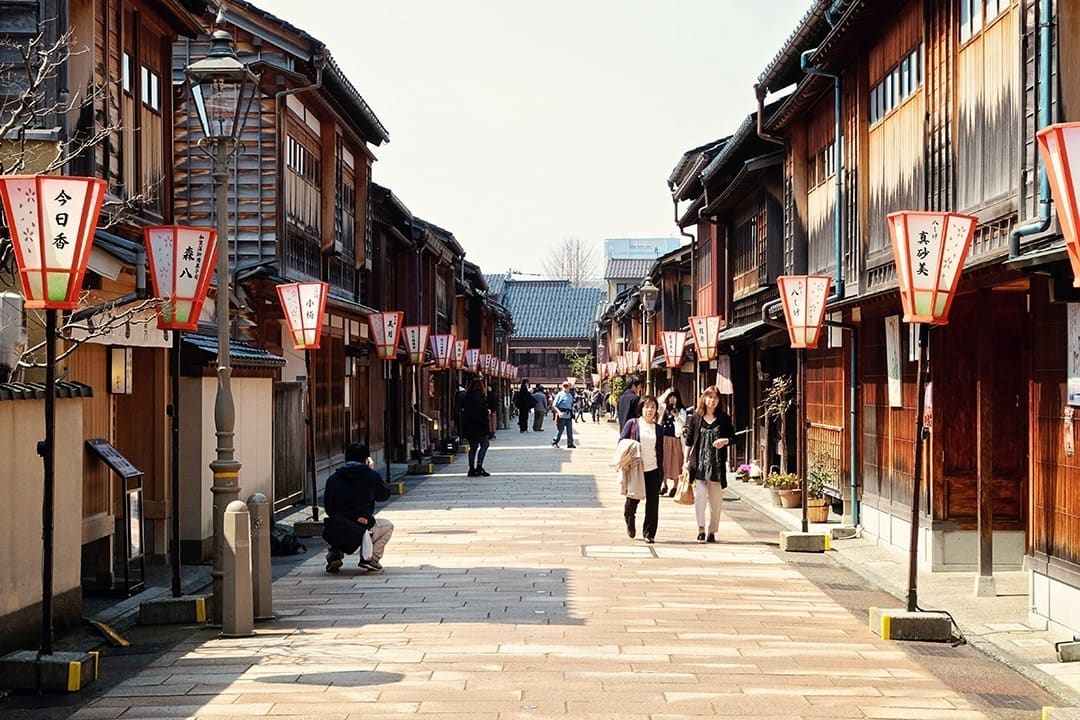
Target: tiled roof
[(618, 268), (551, 308), (120, 248), (36, 391), (495, 283), (240, 353)]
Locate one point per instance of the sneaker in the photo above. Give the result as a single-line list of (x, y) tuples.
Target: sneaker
[(571, 446), (482, 472), (334, 562), (372, 564), (710, 538), (701, 537), (554, 443)]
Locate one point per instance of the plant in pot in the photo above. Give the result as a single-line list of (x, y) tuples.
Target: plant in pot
[(781, 486), (818, 476), (777, 399), (743, 472)]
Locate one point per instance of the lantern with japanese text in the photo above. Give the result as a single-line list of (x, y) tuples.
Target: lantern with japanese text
[(803, 298), (645, 355), (472, 360), (304, 304), (595, 379), (930, 249), (52, 220), (460, 346), (1059, 146), (416, 337), (504, 369), (386, 331), (612, 368), (674, 346), (442, 348), (620, 361), (485, 363), (706, 329), (181, 264)]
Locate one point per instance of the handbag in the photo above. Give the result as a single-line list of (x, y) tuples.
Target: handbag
[(345, 534), (366, 549), (684, 491)]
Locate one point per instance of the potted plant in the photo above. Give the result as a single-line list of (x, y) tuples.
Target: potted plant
[(777, 399), (818, 476), (743, 472), (781, 486)]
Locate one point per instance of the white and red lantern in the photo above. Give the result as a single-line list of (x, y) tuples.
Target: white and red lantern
[(485, 363), (386, 331), (674, 346), (416, 337), (442, 348), (52, 220), (803, 298), (1059, 146), (595, 379), (472, 359), (930, 249), (182, 261), (304, 304), (706, 329), (460, 346), (632, 359), (645, 355), (504, 369), (612, 368)]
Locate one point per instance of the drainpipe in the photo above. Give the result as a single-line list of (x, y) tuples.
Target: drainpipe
[(1046, 24), (760, 91), (838, 281)]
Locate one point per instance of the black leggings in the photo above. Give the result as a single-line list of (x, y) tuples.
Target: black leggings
[(481, 443)]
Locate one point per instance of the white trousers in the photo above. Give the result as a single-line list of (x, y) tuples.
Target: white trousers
[(706, 491)]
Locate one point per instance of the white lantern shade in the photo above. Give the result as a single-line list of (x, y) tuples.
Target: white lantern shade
[(930, 249), (52, 220), (182, 261), (674, 347), (304, 304), (706, 329), (645, 355), (460, 346), (472, 359), (442, 348), (1059, 146), (386, 331), (416, 337), (803, 298), (595, 378)]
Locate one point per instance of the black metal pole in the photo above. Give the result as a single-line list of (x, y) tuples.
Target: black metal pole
[(800, 439), (174, 412), (311, 438), (916, 482), (47, 450)]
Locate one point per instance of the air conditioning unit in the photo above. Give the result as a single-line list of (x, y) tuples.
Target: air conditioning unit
[(12, 330)]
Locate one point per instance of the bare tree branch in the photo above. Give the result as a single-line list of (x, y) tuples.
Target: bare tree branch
[(573, 259)]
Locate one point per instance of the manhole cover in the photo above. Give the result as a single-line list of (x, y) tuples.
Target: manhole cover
[(846, 587), (935, 650), (1012, 702)]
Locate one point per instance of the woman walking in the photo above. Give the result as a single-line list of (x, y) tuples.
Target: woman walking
[(524, 402), (708, 433), (673, 421), (475, 424), (651, 437)]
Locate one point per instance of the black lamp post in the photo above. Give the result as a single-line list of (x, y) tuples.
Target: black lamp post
[(222, 89), (649, 294)]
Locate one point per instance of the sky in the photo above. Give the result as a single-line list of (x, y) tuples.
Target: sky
[(517, 124)]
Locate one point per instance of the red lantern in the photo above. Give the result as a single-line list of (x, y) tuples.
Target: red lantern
[(706, 330), (674, 346), (416, 342), (472, 360), (52, 220), (803, 297), (930, 249), (442, 347), (1058, 146), (304, 304), (386, 331), (181, 263), (459, 353)]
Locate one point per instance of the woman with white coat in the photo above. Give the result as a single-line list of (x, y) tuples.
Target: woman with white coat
[(650, 436)]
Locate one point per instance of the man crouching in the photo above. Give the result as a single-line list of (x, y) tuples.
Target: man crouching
[(349, 499)]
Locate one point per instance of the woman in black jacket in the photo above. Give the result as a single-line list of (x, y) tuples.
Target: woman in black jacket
[(524, 402), (474, 420), (708, 433)]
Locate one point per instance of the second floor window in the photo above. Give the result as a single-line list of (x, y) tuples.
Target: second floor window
[(977, 14), (898, 84), (303, 197)]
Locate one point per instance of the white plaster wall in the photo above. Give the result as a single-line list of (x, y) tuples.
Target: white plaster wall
[(254, 400), (1056, 602), (22, 425)]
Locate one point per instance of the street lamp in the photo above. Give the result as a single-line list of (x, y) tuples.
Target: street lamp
[(181, 262), (803, 298), (648, 294), (416, 338), (222, 89), (304, 304), (1058, 148), (52, 220), (706, 329), (930, 249), (386, 331)]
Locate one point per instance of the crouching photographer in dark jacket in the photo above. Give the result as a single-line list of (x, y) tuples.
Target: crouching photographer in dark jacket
[(349, 499)]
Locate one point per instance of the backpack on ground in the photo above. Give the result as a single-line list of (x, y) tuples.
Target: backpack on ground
[(283, 541)]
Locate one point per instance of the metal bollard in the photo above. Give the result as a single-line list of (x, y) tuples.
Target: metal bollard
[(238, 619), (261, 576)]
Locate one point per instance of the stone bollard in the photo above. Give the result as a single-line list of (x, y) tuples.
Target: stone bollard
[(261, 576), (238, 618)]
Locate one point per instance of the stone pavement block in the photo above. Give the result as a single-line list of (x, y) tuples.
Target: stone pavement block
[(1061, 713), (58, 672), (899, 624), (173, 611), (805, 542)]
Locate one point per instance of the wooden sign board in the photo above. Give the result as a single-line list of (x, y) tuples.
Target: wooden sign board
[(112, 457)]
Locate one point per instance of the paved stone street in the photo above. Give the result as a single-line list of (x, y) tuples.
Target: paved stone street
[(520, 596)]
